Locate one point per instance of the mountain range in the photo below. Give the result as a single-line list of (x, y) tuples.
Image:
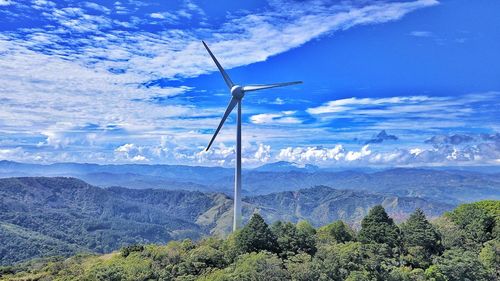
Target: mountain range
[(452, 186), (43, 216)]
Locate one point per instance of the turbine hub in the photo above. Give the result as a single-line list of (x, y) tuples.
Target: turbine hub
[(237, 92)]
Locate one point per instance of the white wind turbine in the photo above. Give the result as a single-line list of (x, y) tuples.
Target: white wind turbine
[(237, 92)]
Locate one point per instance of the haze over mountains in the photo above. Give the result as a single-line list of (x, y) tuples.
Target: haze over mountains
[(450, 186)]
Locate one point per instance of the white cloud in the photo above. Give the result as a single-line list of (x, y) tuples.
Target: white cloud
[(263, 153), (165, 17), (312, 154), (157, 15), (415, 151), (421, 33), (43, 3), (126, 148), (423, 113), (131, 152), (356, 155), (6, 2), (348, 104), (477, 154), (52, 88), (139, 158), (97, 7), (278, 101), (281, 118)]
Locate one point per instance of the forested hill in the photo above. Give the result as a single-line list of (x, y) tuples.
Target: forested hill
[(462, 245), (62, 216)]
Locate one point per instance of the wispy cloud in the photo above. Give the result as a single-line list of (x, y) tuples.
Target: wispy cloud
[(6, 2), (424, 112), (81, 81), (284, 117), (421, 33), (349, 104)]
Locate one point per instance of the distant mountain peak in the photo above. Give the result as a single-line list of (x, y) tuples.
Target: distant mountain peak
[(284, 166), (381, 137)]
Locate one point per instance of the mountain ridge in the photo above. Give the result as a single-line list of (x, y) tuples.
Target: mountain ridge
[(104, 219), (452, 186)]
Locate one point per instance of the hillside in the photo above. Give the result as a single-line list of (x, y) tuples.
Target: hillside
[(461, 245), (322, 205), (68, 215)]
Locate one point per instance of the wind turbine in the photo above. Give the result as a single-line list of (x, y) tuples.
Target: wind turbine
[(237, 92)]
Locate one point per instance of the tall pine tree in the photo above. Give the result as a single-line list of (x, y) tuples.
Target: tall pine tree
[(378, 227), (417, 231), (256, 236), (421, 240)]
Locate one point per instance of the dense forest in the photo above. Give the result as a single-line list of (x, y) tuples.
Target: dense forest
[(463, 244)]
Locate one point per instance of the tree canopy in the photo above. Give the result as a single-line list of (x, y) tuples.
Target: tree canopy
[(378, 227), (256, 236), (299, 252)]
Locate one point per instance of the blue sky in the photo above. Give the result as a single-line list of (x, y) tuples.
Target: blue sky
[(386, 83)]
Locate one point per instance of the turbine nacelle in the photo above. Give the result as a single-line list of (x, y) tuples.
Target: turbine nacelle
[(237, 92)]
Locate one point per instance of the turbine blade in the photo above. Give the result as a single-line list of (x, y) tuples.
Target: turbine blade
[(228, 81), (250, 88), (229, 108)]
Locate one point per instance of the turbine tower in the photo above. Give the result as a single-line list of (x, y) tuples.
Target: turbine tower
[(237, 92)]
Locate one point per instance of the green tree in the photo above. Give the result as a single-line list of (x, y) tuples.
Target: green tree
[(406, 274), (109, 273), (458, 265), (125, 251), (230, 248), (492, 208), (256, 236), (490, 258), (335, 261), (306, 234), (294, 239), (336, 232), (301, 267), (287, 238), (452, 236), (203, 258), (476, 223), (420, 240), (359, 276), (259, 266), (379, 260), (378, 227)]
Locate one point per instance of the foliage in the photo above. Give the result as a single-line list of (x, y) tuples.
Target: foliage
[(293, 252), (459, 265), (125, 251), (475, 222), (420, 239), (259, 266), (293, 239), (452, 236), (378, 227), (490, 258), (336, 232), (306, 236), (492, 208), (256, 236), (302, 267)]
